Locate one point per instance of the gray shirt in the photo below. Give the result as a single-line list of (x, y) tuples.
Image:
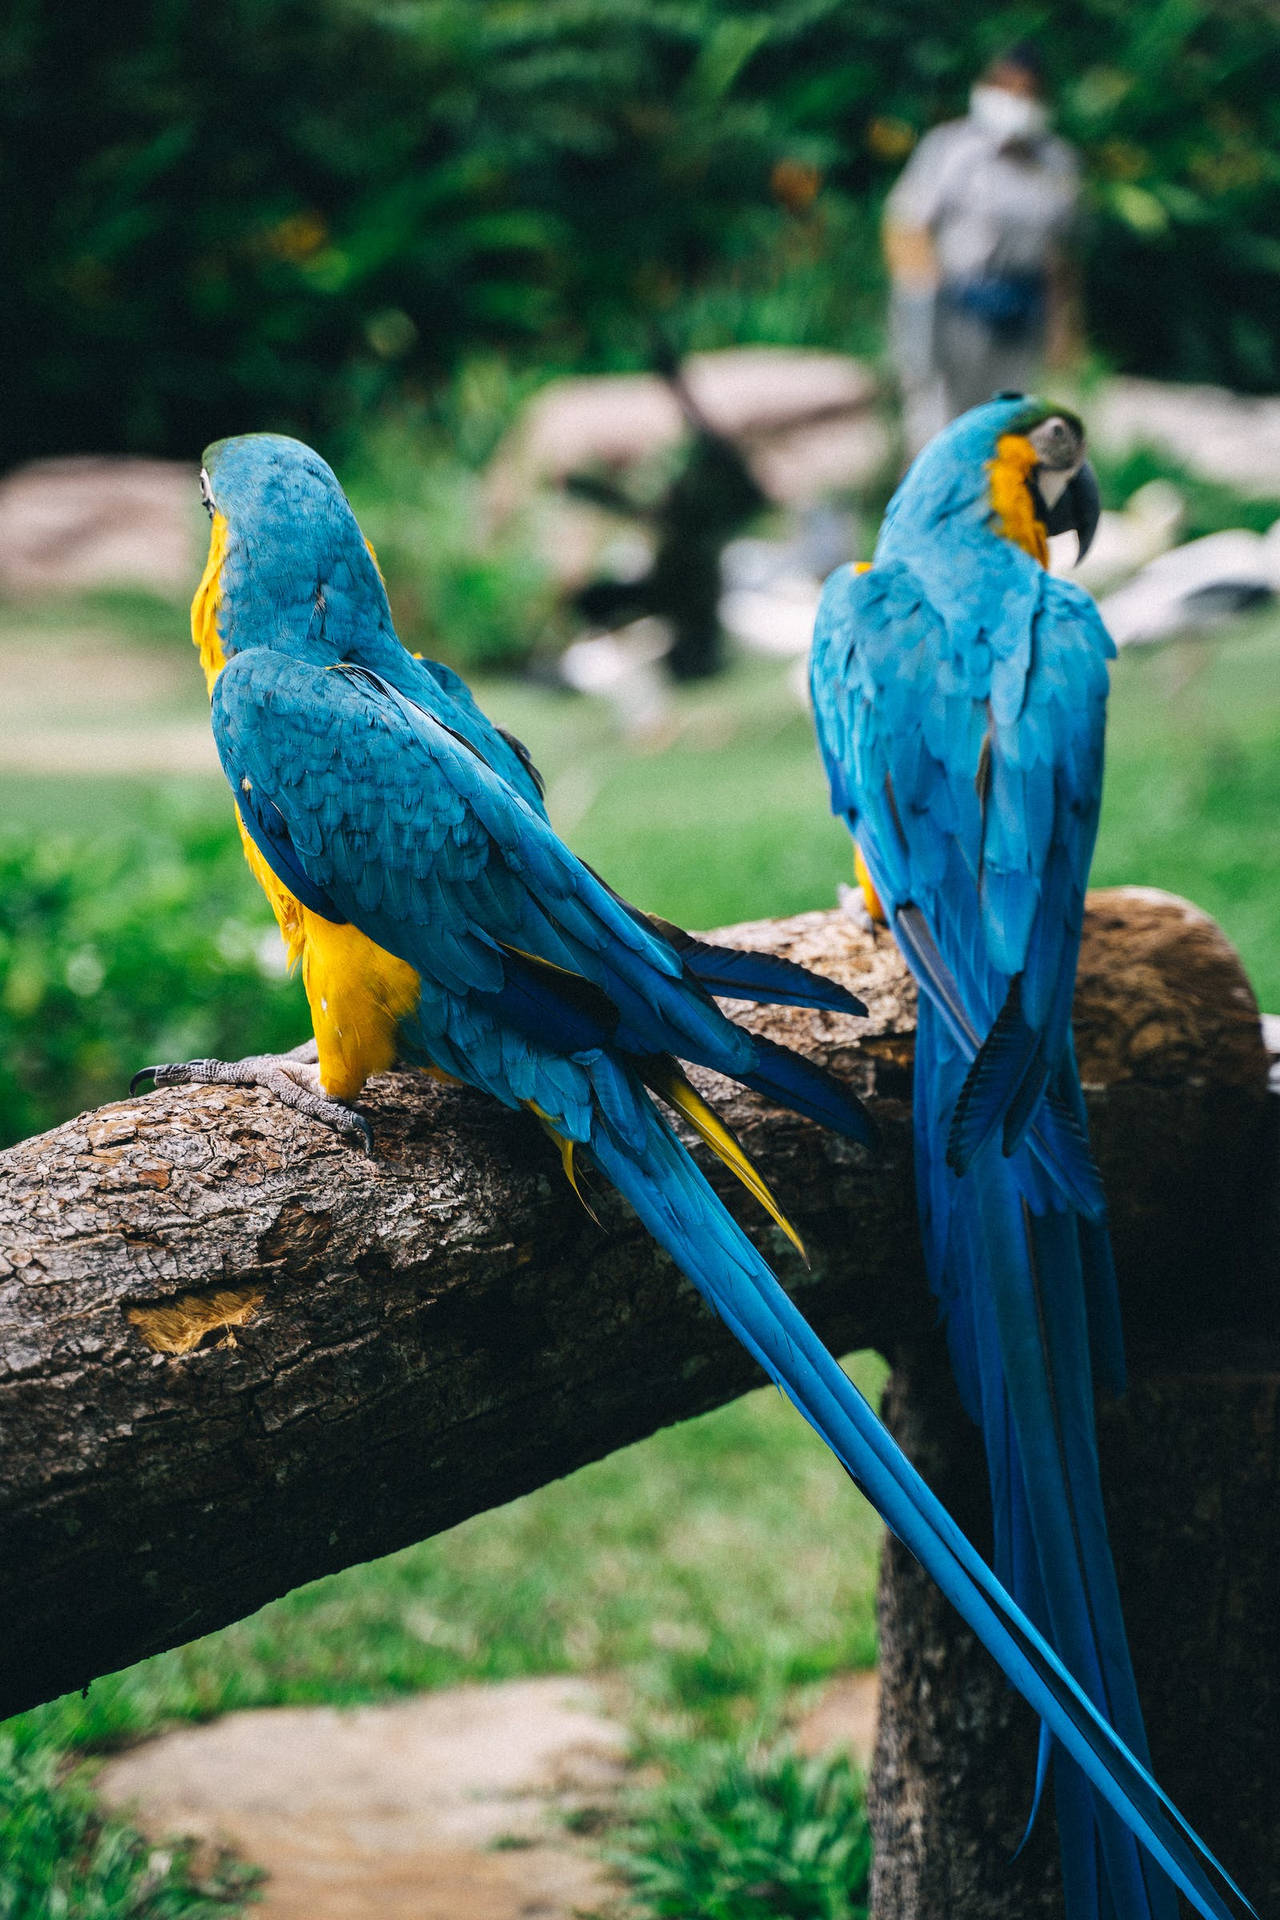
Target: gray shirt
[(990, 209)]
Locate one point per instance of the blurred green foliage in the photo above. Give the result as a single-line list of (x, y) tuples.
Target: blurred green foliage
[(271, 213), (61, 1860), (148, 945), (1209, 506), (461, 590), (736, 1833)]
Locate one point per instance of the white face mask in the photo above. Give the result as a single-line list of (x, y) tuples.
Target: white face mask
[(1008, 116)]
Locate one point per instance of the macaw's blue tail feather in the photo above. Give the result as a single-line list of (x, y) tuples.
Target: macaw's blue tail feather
[(1058, 1137), (650, 1167), (1008, 1061), (736, 974), (792, 1081), (1027, 1296), (1065, 1525)]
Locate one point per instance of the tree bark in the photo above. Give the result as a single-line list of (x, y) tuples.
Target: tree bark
[(235, 1354), (1191, 1465), (1191, 1471)]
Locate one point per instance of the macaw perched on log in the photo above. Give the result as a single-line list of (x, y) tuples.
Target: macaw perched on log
[(402, 842), (960, 694)]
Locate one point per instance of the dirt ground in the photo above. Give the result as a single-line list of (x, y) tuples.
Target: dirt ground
[(447, 1806)]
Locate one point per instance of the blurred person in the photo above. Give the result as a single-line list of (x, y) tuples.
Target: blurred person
[(976, 233)]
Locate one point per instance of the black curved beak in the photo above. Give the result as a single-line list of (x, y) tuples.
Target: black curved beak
[(1078, 510)]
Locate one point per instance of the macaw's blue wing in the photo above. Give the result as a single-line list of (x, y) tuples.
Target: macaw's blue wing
[(703, 970), (541, 987), (403, 828), (979, 856), (729, 972), (506, 754), (965, 753)]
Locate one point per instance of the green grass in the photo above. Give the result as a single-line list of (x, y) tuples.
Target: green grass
[(61, 1860), (108, 805), (143, 618), (739, 1833), (1192, 792)]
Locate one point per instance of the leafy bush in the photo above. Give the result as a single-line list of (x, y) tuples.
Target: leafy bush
[(740, 1835), (460, 591), (60, 1860), (152, 946), (272, 213)]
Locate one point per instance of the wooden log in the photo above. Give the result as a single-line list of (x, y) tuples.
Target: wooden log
[(235, 1354), (1190, 1463), (1191, 1466)]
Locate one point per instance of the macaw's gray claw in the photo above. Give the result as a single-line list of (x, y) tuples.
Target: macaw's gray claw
[(294, 1079)]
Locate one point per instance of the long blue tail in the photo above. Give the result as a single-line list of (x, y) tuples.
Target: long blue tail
[(1024, 1282), (637, 1151)]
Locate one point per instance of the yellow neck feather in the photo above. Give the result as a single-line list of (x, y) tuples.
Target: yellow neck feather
[(1011, 496), (357, 993), (204, 608)]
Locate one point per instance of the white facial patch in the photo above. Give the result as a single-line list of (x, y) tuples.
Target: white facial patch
[(1060, 448)]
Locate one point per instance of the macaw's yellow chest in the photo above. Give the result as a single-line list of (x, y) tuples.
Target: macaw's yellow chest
[(358, 993), (862, 873)]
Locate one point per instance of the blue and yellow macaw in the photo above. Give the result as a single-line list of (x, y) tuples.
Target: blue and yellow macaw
[(960, 694), (402, 842)]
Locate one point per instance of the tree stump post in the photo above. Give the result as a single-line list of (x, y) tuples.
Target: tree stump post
[(1191, 1473)]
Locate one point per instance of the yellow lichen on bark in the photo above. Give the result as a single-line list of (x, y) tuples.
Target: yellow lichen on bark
[(181, 1325)]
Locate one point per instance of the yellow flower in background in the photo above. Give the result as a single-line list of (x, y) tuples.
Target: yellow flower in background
[(298, 236), (795, 184), (1123, 160), (890, 138)]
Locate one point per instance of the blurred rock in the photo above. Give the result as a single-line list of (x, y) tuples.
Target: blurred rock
[(625, 669), (807, 422), (844, 1717), (1194, 588), (797, 465), (775, 619), (94, 520), (1231, 437)]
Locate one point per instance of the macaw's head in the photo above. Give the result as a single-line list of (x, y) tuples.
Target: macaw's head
[(286, 558), (1019, 464)]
